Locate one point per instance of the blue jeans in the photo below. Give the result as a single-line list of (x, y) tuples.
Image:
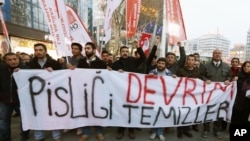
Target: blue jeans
[(5, 121), (158, 131), (86, 130), (39, 134)]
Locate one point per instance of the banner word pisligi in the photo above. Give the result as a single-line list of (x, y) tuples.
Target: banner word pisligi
[(67, 99)]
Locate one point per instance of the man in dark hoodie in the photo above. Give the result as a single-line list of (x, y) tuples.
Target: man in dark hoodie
[(8, 96), (91, 61)]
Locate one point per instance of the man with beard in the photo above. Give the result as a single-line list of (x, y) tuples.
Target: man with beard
[(129, 64), (106, 59), (163, 71), (91, 61)]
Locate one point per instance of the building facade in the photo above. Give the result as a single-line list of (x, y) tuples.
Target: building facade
[(247, 49), (238, 52), (210, 42), (27, 25), (205, 45)]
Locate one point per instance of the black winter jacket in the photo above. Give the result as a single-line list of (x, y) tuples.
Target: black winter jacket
[(8, 87)]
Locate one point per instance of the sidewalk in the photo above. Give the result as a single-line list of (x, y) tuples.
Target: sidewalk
[(110, 135)]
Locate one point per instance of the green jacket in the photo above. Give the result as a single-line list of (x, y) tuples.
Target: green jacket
[(217, 74)]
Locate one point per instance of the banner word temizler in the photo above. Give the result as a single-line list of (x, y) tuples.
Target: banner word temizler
[(67, 99)]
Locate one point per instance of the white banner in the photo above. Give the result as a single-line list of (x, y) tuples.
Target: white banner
[(67, 99), (54, 18), (111, 6)]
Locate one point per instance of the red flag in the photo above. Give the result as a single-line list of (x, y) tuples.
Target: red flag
[(78, 31), (132, 16), (51, 11), (176, 27), (144, 42)]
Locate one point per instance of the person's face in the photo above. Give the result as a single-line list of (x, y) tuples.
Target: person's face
[(40, 52), (75, 50), (111, 58), (235, 63), (197, 57), (246, 68), (12, 61), (197, 64), (190, 61), (105, 57), (161, 65), (124, 53), (25, 58), (18, 53), (89, 51), (170, 59), (217, 55)]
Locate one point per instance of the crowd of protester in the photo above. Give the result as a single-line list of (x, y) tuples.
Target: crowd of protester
[(187, 66)]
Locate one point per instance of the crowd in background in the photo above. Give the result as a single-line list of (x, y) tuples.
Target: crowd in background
[(186, 66)]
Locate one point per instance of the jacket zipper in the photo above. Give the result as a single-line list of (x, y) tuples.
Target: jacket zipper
[(11, 83)]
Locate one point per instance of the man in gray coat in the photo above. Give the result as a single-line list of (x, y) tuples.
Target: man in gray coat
[(216, 71)]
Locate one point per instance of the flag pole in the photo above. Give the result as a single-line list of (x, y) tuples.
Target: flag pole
[(126, 23), (5, 31), (164, 37), (155, 28), (60, 13)]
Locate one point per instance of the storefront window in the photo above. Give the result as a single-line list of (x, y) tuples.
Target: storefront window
[(26, 45)]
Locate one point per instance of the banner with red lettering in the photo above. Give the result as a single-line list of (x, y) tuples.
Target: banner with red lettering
[(132, 16), (68, 99), (145, 42), (175, 23), (111, 6), (51, 11)]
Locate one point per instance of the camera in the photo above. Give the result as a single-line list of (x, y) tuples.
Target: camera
[(2, 2)]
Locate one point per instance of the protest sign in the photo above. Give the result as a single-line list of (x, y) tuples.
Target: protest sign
[(67, 99)]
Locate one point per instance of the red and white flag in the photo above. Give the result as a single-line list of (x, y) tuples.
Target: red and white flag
[(78, 31), (175, 23), (145, 42), (132, 16), (51, 10), (111, 6), (5, 45), (65, 26)]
